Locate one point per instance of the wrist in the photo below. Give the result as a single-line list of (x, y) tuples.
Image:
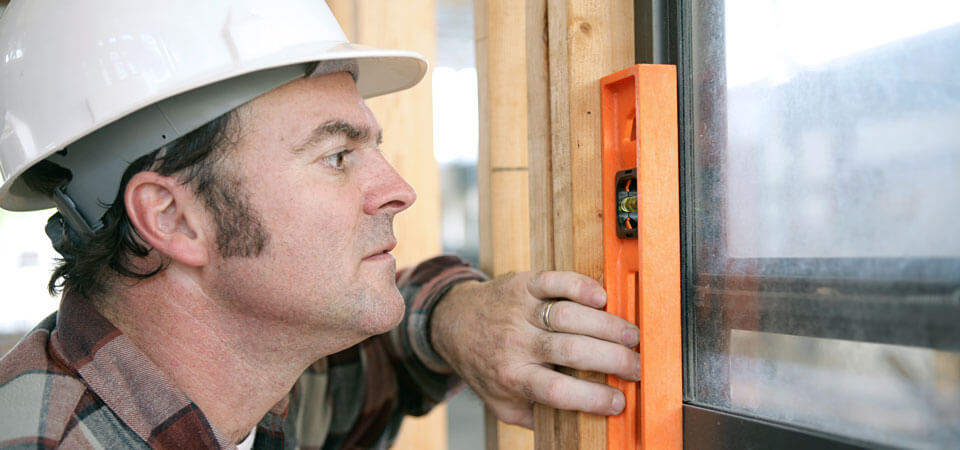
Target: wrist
[(445, 320)]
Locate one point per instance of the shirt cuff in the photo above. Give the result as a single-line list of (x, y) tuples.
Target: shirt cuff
[(427, 283)]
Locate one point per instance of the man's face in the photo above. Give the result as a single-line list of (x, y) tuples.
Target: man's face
[(309, 162)]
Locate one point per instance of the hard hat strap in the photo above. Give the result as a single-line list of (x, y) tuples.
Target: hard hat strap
[(60, 233), (71, 215)]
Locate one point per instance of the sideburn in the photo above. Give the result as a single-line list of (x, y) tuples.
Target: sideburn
[(240, 230)]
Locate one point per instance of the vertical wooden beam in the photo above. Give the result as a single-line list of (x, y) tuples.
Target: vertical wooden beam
[(539, 150), (586, 40), (502, 163), (538, 135), (346, 13), (406, 118)]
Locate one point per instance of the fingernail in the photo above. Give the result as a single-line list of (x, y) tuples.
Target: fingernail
[(618, 403), (638, 371), (630, 338), (600, 297)]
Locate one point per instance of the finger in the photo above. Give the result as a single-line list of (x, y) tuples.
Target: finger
[(561, 391), (586, 353), (571, 285), (514, 413), (574, 318)]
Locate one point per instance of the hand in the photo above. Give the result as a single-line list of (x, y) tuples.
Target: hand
[(493, 334)]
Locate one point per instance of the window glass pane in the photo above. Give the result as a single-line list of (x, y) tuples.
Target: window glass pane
[(857, 387), (825, 193), (847, 112)]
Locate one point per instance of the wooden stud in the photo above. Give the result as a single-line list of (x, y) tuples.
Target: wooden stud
[(406, 119), (346, 13), (538, 136), (586, 40), (502, 175), (541, 189)]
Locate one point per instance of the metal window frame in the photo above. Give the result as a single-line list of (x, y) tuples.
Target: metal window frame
[(706, 428), (663, 35)]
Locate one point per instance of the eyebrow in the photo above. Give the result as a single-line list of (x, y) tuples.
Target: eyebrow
[(337, 127)]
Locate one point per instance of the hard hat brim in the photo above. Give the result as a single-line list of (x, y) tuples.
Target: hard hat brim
[(380, 71)]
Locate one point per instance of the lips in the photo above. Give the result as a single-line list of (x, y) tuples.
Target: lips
[(383, 250)]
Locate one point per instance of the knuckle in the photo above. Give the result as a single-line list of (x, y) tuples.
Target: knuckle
[(517, 288), (591, 283), (555, 391), (505, 377), (543, 346), (566, 351), (527, 391), (534, 280), (556, 349), (577, 286)]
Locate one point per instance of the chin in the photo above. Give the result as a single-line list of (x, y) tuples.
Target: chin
[(387, 314)]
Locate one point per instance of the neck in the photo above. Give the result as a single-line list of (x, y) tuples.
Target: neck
[(234, 366)]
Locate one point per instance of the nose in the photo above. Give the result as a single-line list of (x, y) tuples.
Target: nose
[(387, 191)]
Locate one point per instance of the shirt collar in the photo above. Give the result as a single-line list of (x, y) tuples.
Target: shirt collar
[(128, 382)]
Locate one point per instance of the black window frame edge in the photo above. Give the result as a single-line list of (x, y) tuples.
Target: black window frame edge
[(707, 428), (662, 35)]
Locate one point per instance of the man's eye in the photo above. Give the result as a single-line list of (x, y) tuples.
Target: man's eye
[(336, 160)]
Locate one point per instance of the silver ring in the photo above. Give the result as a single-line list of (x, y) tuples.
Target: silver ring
[(545, 316)]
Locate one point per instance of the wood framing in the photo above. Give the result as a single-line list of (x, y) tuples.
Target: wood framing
[(502, 172), (406, 118), (541, 191), (578, 42)]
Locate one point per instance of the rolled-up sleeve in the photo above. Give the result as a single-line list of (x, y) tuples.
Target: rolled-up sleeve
[(425, 378)]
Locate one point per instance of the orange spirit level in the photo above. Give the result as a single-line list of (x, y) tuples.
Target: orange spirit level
[(641, 248)]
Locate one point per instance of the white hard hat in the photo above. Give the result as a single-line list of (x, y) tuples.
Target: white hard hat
[(93, 85)]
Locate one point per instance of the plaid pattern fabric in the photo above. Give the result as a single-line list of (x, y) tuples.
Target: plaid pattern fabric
[(78, 382)]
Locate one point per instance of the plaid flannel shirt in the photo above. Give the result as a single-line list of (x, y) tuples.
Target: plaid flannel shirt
[(77, 381)]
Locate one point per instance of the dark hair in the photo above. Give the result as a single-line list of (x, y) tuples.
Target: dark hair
[(198, 159)]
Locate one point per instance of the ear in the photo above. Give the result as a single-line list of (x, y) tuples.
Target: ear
[(168, 217)]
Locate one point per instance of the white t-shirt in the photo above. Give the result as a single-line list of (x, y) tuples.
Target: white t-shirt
[(247, 443)]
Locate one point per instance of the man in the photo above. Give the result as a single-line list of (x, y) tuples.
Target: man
[(225, 220)]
